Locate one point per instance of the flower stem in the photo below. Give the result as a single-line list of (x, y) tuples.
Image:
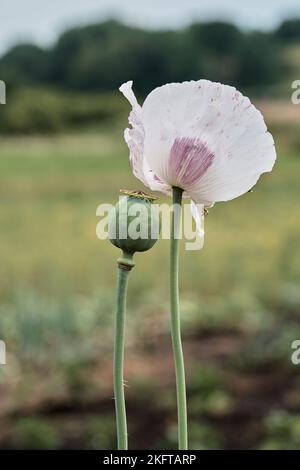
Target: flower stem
[(124, 266), (175, 321)]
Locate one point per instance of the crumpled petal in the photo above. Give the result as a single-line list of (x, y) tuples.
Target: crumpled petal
[(221, 121), (134, 138)]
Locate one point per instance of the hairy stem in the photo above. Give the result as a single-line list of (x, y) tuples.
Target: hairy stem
[(175, 320), (123, 272)]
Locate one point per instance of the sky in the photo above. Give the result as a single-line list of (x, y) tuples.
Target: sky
[(41, 21)]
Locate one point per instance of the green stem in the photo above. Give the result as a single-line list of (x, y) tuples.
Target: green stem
[(175, 323), (125, 264)]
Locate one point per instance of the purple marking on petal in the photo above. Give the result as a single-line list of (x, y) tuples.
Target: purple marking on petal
[(156, 178), (189, 159)]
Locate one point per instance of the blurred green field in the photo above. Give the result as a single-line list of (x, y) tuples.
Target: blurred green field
[(50, 189), (240, 305)]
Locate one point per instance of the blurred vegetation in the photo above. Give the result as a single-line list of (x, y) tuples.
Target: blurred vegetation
[(42, 110), (35, 433), (62, 154), (289, 31), (239, 314), (100, 57), (65, 86)]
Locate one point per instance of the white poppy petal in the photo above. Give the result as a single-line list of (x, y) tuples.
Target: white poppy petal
[(126, 89), (206, 138), (134, 138)]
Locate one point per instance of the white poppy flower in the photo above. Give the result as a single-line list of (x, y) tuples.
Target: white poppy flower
[(204, 137)]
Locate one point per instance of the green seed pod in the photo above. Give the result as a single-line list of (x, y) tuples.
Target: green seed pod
[(134, 223)]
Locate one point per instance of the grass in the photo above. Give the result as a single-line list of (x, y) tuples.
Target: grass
[(50, 189), (57, 279)]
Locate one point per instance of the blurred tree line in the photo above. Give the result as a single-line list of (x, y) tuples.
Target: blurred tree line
[(99, 57)]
